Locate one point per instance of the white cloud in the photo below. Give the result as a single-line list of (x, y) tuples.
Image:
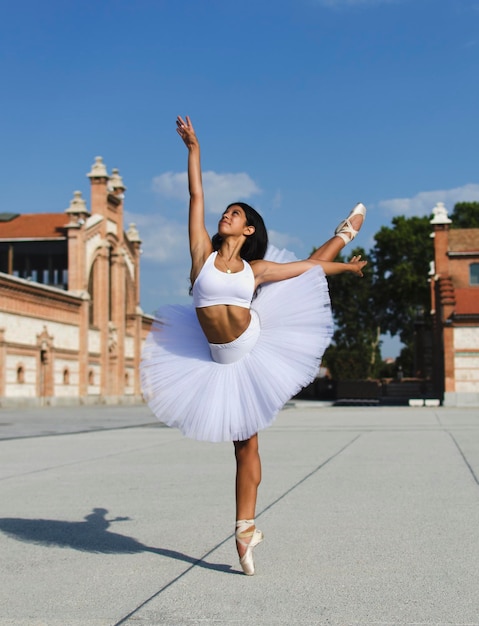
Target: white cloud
[(165, 259), (172, 185), (424, 202), (220, 189), (170, 286), (283, 240), (163, 240), (277, 200)]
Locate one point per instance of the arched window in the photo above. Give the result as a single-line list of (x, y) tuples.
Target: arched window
[(20, 374), (66, 376), (474, 274), (91, 377), (127, 379)]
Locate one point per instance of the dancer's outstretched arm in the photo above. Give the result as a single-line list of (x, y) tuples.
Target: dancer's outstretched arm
[(267, 271)]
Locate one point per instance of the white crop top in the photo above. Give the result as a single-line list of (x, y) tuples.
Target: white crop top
[(212, 286)]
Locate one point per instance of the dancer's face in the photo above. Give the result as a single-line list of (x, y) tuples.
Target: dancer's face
[(233, 222)]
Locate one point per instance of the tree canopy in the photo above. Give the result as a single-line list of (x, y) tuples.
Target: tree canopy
[(354, 352), (465, 215), (400, 257)]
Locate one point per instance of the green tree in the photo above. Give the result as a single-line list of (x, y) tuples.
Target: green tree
[(354, 352), (401, 256), (465, 215)]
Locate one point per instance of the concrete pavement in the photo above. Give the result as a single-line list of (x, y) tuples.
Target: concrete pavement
[(370, 515)]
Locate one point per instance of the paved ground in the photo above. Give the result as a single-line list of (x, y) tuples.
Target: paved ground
[(371, 517)]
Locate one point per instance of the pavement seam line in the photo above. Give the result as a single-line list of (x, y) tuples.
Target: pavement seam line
[(305, 478), (95, 429), (464, 458), (79, 462)]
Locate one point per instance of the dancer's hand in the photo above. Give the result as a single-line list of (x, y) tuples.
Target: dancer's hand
[(357, 265), (186, 131)]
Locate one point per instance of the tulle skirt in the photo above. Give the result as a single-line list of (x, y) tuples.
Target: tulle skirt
[(238, 394)]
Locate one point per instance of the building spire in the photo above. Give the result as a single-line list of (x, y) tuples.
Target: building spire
[(440, 214), (77, 210), (98, 169), (116, 181), (77, 204), (133, 234)]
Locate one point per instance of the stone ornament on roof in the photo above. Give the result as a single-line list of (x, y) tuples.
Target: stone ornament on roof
[(439, 213), (77, 204), (98, 169), (133, 234), (116, 181)]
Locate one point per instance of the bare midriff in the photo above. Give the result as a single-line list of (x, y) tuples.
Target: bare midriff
[(223, 323)]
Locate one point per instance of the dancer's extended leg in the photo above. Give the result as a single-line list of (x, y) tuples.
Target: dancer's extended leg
[(345, 232)]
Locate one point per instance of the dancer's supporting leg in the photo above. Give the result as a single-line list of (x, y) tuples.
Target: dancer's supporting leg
[(248, 478)]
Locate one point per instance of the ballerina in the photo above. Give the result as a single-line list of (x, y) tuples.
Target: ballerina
[(222, 369)]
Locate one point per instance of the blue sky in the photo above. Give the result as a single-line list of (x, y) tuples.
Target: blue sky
[(303, 108)]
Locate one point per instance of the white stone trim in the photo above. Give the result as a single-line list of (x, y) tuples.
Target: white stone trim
[(91, 247), (23, 330), (112, 227)]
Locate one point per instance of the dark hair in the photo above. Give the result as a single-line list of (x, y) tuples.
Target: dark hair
[(254, 247)]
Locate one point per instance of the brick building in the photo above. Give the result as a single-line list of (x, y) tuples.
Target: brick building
[(455, 309), (71, 328)]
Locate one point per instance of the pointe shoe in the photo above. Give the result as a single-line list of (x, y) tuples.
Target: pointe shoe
[(345, 229), (245, 529)]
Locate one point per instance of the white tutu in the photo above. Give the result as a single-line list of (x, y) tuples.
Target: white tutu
[(211, 401)]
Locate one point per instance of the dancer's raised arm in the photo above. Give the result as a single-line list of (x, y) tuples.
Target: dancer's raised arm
[(200, 242)]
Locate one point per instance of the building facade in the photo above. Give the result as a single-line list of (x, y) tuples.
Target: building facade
[(71, 326), (455, 309)]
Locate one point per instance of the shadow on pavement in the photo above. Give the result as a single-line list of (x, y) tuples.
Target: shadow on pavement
[(91, 535)]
